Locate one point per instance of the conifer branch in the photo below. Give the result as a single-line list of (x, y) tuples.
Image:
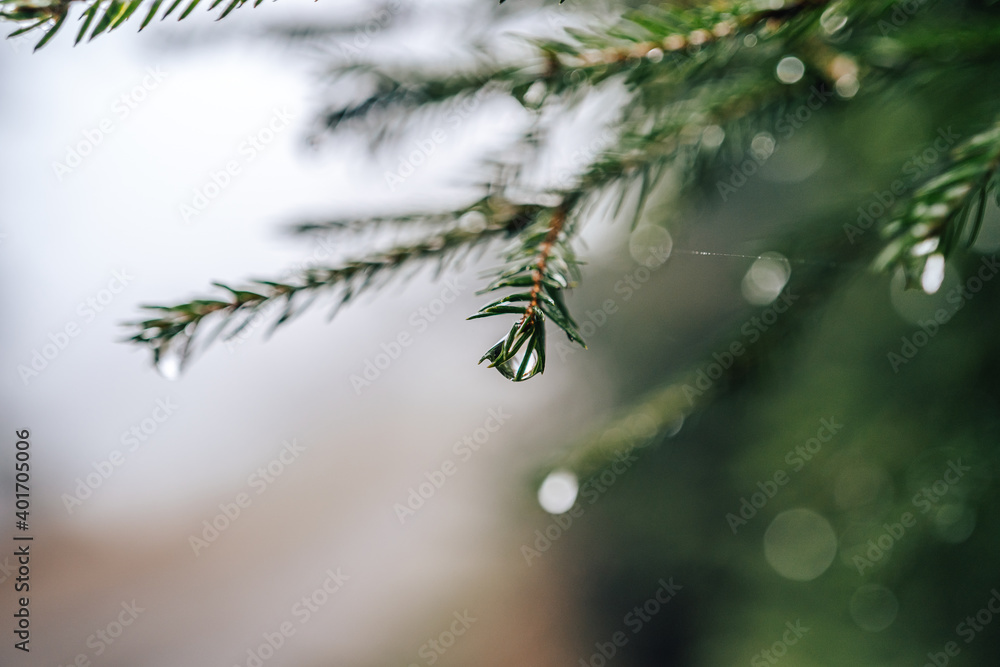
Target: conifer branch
[(653, 40), (174, 329), (700, 82), (49, 15), (944, 212), (538, 275), (545, 264)]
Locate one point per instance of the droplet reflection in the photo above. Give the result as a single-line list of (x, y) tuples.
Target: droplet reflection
[(558, 492), (800, 545), (650, 245), (767, 276), (169, 364), (933, 274), (874, 607), (790, 70)]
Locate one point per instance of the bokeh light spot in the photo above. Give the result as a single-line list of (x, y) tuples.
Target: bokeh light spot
[(800, 544), (790, 70), (874, 607), (767, 276), (650, 245), (558, 492)]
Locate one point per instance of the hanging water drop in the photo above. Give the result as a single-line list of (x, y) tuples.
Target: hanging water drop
[(933, 274), (510, 368), (169, 363), (766, 278), (557, 494)]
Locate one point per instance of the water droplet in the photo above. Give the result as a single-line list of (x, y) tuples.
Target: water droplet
[(800, 544), (767, 276), (650, 245), (832, 20), (790, 70), (535, 94), (763, 145), (712, 136), (933, 274), (557, 494), (169, 363), (874, 607), (847, 86), (925, 247), (473, 222), (673, 427), (511, 368)]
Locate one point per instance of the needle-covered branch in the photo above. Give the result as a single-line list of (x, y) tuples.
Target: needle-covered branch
[(697, 87), (544, 265), (99, 16), (174, 330), (944, 212)]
